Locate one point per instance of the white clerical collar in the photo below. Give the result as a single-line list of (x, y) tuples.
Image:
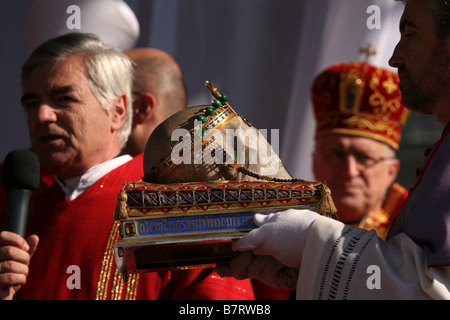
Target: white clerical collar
[(74, 187)]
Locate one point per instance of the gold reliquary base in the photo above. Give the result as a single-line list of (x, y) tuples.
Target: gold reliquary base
[(192, 225)]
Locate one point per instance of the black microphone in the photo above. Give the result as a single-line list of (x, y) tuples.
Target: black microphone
[(20, 176)]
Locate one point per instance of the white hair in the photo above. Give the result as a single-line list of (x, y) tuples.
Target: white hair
[(109, 71)]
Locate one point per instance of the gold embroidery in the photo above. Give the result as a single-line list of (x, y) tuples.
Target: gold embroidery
[(102, 285), (389, 85), (116, 292), (109, 270), (358, 122), (131, 287), (382, 105), (378, 126), (234, 286)]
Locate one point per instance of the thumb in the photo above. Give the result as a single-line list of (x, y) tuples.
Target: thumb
[(33, 242), (253, 239), (260, 219)]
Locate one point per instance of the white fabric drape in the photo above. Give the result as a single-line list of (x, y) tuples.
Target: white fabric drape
[(341, 261)]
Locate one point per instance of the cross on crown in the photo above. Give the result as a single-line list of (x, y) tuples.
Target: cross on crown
[(367, 51)]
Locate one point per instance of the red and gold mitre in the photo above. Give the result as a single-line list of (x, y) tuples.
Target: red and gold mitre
[(359, 99)]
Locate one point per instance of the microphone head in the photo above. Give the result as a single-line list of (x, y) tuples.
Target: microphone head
[(21, 170)]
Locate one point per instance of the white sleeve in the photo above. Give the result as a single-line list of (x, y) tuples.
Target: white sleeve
[(343, 262)]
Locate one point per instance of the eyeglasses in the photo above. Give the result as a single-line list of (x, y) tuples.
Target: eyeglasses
[(334, 157)]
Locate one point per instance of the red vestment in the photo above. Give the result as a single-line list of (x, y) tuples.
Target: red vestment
[(80, 234)]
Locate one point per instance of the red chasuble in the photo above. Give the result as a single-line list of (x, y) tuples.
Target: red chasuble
[(75, 259)]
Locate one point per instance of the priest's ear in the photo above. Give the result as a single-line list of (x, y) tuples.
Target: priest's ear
[(118, 112), (144, 108)]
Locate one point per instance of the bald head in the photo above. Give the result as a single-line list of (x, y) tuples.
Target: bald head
[(158, 73), (158, 92)]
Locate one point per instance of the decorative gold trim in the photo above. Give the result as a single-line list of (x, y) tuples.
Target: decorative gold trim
[(116, 293), (103, 282), (366, 125), (269, 195), (377, 126), (132, 287), (108, 270), (121, 210), (366, 134), (233, 285), (383, 106)]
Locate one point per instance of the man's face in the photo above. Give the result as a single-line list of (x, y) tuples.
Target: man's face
[(421, 59), (69, 130), (352, 168)]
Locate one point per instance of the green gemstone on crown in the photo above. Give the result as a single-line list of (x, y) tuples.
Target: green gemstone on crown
[(216, 103), (223, 98), (209, 111)]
